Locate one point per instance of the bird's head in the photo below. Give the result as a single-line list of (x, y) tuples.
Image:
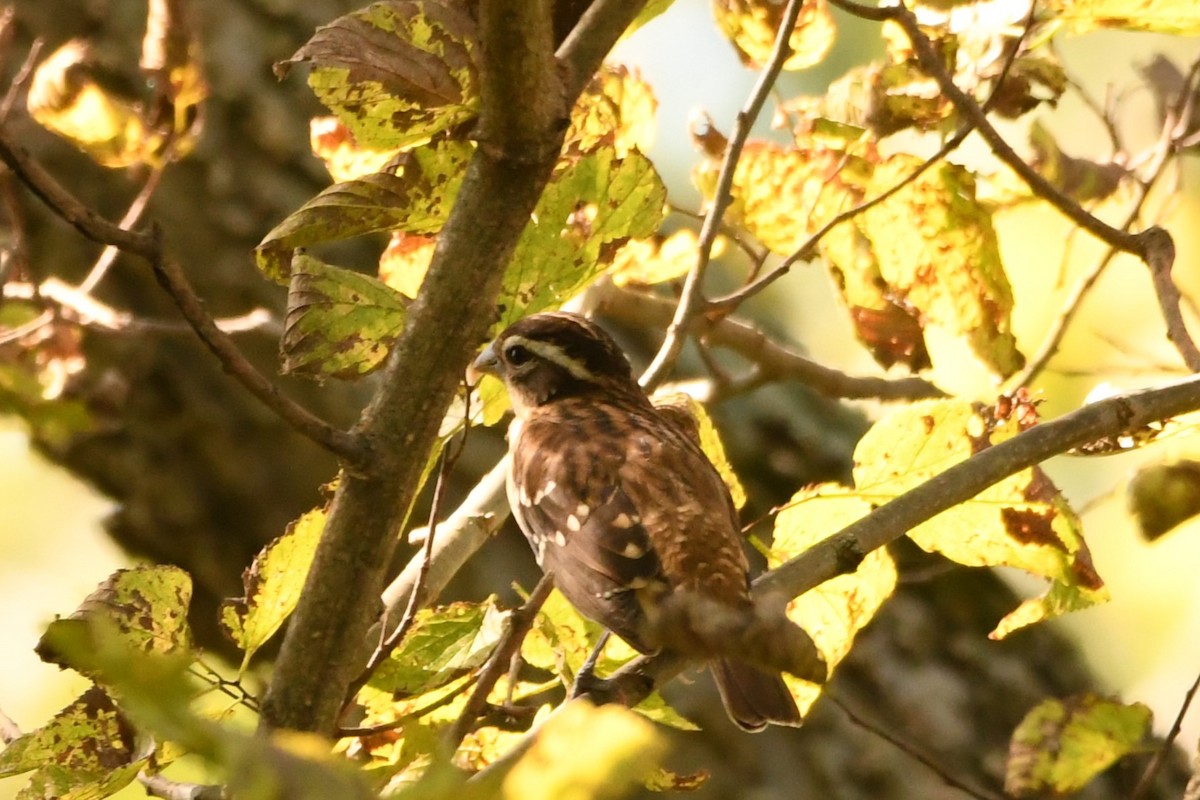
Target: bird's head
[(555, 355)]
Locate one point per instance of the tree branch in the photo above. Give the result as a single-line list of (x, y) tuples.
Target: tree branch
[(523, 109), (170, 276), (692, 299)]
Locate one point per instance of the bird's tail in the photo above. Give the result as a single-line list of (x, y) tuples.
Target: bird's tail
[(754, 697)]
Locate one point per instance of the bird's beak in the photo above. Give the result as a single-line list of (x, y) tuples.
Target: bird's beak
[(487, 363)]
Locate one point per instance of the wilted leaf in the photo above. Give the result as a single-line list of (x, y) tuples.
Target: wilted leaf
[(645, 262), (442, 644), (621, 749), (339, 323), (834, 612), (937, 252), (1062, 744), (594, 204), (332, 142), (1022, 521), (1179, 17), (171, 63), (1163, 496), (66, 98), (663, 780), (86, 751), (143, 610), (688, 413), (1083, 180), (395, 72), (753, 25), (416, 199), (272, 586), (617, 107)]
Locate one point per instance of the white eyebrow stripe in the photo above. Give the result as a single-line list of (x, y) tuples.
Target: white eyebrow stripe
[(554, 354)]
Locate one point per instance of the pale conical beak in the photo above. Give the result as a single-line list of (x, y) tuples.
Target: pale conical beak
[(486, 363)]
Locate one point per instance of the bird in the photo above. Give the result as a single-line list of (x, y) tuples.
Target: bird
[(618, 500)]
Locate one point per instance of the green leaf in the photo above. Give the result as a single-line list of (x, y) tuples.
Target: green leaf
[(397, 72), (753, 25), (594, 203), (86, 751), (1022, 521), (937, 250), (416, 199), (621, 749), (834, 612), (657, 709), (272, 586), (143, 610), (442, 644), (339, 323), (1061, 745), (1178, 17)]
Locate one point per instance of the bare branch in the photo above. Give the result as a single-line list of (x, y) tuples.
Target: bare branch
[(158, 786), (1160, 755), (584, 49), (692, 300)]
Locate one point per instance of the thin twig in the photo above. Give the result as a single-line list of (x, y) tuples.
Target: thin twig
[(692, 301), (158, 786), (908, 749), (171, 277), (1160, 755), (520, 622), (9, 730), (132, 216), (19, 80)]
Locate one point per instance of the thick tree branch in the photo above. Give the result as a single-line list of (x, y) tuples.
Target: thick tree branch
[(524, 107), (170, 276)]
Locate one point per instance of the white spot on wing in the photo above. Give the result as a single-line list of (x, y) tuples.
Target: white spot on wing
[(582, 510), (559, 539), (573, 522), (546, 489), (633, 550), (624, 520)]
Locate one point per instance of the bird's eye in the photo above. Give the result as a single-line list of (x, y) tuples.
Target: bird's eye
[(517, 354)]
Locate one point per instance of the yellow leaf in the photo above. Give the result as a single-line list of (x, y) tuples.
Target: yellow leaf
[(405, 261), (645, 262), (586, 753), (345, 158), (834, 612), (753, 25), (616, 106), (1022, 521), (687, 412)]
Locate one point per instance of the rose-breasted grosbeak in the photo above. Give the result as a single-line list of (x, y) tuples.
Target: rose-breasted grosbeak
[(618, 500)]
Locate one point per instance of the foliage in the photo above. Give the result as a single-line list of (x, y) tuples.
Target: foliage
[(913, 246)]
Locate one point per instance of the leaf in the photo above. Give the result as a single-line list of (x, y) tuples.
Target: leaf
[(645, 262), (594, 203), (396, 72), (405, 261), (621, 749), (616, 106), (1164, 496), (657, 709), (442, 644), (834, 612), (689, 413), (1083, 180), (416, 199), (663, 780), (143, 610), (1061, 745), (1178, 17), (339, 323), (272, 586), (65, 97), (937, 252), (87, 750), (332, 142), (1022, 521), (753, 25)]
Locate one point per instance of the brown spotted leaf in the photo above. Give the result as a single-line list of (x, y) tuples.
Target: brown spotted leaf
[(1023, 521), (1164, 496), (753, 25), (88, 750), (396, 72), (415, 198), (339, 323), (937, 253), (142, 610), (272, 586), (333, 143), (1061, 745), (616, 106), (1178, 17)]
